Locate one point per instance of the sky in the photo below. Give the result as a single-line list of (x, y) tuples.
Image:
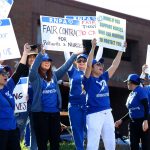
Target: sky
[(137, 8)]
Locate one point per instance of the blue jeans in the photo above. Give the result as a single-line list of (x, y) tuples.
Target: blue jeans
[(77, 116), (21, 119)]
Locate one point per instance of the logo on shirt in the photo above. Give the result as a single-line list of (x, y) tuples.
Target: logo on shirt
[(8, 94), (131, 97), (49, 91), (102, 84)]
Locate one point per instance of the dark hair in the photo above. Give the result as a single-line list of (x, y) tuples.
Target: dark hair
[(133, 82), (48, 75), (28, 59)]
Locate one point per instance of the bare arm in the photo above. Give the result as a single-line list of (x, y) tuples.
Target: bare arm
[(90, 59), (111, 70), (26, 51)]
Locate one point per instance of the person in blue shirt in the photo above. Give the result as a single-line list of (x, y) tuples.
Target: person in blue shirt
[(137, 104), (9, 134), (77, 101), (47, 101), (145, 79), (24, 118), (99, 118)]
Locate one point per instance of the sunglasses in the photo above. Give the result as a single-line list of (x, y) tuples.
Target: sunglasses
[(81, 60), (5, 74), (99, 64)]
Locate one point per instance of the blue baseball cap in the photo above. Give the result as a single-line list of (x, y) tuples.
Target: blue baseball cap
[(46, 57), (134, 78), (82, 56), (100, 61), (6, 67)]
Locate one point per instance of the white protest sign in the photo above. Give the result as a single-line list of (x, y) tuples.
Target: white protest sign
[(148, 60), (20, 94), (88, 24), (99, 53), (61, 34), (5, 6), (111, 31), (8, 44)]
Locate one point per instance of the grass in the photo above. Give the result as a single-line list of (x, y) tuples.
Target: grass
[(63, 146)]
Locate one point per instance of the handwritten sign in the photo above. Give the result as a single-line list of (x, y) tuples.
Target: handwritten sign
[(20, 95), (88, 24), (111, 31), (5, 6), (60, 34), (8, 44)]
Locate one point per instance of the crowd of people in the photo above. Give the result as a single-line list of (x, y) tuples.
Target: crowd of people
[(89, 102)]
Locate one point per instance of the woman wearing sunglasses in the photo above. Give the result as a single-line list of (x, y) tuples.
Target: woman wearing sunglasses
[(9, 134), (99, 118), (77, 100)]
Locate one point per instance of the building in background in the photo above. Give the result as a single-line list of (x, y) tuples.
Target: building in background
[(25, 15)]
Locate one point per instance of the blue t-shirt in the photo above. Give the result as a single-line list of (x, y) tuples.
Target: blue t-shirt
[(97, 93), (147, 88), (49, 97), (77, 93), (7, 107), (134, 105)]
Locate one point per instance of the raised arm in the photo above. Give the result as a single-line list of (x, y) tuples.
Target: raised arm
[(90, 59), (34, 69), (111, 70), (64, 68), (22, 69)]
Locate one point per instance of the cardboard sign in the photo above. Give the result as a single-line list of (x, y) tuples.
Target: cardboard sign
[(8, 44), (148, 60), (61, 34), (5, 6), (20, 95), (88, 24), (111, 31)]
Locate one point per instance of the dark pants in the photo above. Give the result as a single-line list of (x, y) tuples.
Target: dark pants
[(47, 128), (137, 134), (9, 140)]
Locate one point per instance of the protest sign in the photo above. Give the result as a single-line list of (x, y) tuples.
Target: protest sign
[(99, 53), (20, 94), (61, 34), (5, 6), (148, 60), (88, 24), (111, 31), (8, 47)]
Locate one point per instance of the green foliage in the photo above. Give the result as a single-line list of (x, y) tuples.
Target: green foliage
[(63, 146)]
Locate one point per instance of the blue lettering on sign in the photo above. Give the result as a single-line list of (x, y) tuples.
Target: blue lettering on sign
[(60, 20), (22, 81), (87, 18), (10, 1), (4, 22)]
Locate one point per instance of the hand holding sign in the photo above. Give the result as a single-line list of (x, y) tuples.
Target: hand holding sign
[(42, 49), (94, 42), (27, 48)]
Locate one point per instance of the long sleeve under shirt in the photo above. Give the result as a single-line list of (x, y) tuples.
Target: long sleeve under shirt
[(7, 102)]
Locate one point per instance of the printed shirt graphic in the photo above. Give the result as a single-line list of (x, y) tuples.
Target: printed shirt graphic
[(7, 106), (49, 97), (97, 93), (136, 109), (77, 93)]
